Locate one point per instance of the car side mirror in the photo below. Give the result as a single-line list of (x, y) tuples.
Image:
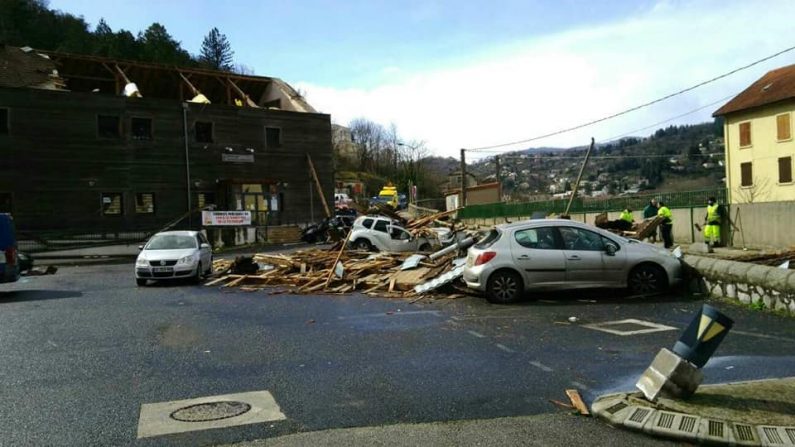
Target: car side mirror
[(610, 249), (204, 245), (140, 247)]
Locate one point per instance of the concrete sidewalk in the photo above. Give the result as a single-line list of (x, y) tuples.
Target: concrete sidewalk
[(743, 413), (556, 429)]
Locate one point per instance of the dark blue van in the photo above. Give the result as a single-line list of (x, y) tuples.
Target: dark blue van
[(9, 258)]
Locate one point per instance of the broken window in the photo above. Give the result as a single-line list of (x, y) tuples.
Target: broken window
[(145, 203), (141, 128), (538, 238), (108, 126), (746, 174), (785, 170), (4, 122), (273, 137), (783, 127), (204, 132), (745, 134), (380, 225), (112, 204)]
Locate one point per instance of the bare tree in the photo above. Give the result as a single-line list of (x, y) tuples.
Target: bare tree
[(750, 194)]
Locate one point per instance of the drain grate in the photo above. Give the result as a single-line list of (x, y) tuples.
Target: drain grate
[(791, 433), (639, 415), (687, 424), (772, 435), (617, 407), (210, 411), (715, 429), (744, 432), (666, 420)]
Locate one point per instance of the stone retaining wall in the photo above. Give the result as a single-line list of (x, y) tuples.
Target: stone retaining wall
[(743, 281)]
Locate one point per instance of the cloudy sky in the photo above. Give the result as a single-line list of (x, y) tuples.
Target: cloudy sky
[(476, 73)]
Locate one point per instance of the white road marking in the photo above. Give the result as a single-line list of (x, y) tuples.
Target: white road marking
[(504, 348), (650, 327), (155, 419), (541, 366), (580, 385), (52, 343), (476, 334)]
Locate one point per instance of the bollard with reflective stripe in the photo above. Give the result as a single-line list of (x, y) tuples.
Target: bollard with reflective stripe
[(702, 337)]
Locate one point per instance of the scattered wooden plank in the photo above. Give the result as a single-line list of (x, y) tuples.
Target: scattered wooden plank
[(577, 402)]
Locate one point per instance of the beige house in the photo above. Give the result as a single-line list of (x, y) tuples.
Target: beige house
[(759, 144)]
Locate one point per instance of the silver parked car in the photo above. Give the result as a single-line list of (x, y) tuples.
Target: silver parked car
[(559, 254), (384, 234), (174, 254)]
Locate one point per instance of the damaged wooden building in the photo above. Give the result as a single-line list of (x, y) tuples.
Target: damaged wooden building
[(90, 144)]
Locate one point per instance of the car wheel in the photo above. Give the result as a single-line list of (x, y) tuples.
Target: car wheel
[(647, 279), (197, 278), (140, 282), (504, 287), (425, 247), (362, 244)]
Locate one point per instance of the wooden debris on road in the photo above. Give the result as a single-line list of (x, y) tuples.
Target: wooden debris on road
[(577, 402)]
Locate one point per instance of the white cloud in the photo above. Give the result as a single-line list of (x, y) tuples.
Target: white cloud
[(557, 81)]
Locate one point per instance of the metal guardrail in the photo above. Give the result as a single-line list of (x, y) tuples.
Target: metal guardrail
[(684, 199)]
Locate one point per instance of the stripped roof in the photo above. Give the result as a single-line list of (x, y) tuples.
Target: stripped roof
[(83, 73), (775, 86)]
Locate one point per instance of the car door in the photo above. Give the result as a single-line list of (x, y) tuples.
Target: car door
[(205, 253), (380, 235), (400, 240), (583, 250), (615, 265), (537, 254)]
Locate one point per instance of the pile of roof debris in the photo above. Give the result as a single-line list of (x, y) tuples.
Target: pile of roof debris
[(637, 230), (785, 259), (340, 270)]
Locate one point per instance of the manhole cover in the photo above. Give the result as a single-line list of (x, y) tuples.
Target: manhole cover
[(210, 411)]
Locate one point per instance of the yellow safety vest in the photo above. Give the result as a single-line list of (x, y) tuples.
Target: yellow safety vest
[(666, 213), (626, 215), (713, 218)]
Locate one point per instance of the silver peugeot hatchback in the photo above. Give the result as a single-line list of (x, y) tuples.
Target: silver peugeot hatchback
[(556, 254)]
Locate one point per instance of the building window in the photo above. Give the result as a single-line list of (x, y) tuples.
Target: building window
[(204, 132), (746, 174), (745, 134), (783, 127), (108, 126), (112, 204), (145, 203), (273, 137), (204, 199), (141, 128), (3, 121), (785, 170)]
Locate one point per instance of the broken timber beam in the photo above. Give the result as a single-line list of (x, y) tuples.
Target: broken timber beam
[(317, 185)]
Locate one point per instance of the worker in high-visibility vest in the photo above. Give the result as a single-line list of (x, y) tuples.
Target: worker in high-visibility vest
[(712, 222), (667, 225), (627, 215)]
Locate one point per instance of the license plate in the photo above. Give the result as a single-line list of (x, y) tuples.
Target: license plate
[(161, 269)]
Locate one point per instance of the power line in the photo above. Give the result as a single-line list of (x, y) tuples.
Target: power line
[(632, 109), (597, 157)]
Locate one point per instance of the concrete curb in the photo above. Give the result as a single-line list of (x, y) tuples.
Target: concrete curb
[(768, 287), (632, 411)]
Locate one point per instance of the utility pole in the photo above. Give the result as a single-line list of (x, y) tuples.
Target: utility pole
[(463, 179), (499, 181), (579, 177), (187, 161)]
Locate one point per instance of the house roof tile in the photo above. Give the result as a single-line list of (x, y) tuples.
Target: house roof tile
[(775, 86)]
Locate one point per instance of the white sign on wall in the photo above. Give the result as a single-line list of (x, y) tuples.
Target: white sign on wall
[(226, 218)]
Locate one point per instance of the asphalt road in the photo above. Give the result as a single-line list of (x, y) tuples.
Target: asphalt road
[(82, 350)]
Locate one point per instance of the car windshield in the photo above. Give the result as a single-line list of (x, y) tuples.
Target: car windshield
[(171, 242)]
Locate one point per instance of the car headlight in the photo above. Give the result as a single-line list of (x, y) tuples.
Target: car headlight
[(141, 262), (190, 259)]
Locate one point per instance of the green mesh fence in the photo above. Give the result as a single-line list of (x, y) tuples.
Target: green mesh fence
[(684, 199)]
